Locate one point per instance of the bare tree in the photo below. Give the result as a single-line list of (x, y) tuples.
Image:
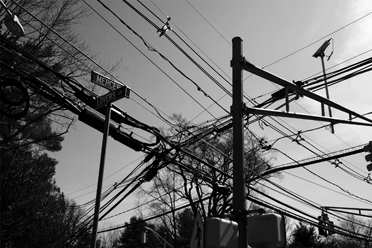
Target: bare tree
[(199, 173), (358, 226), (108, 239)]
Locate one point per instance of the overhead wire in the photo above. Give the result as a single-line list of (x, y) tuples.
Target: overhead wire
[(77, 49), (295, 195), (358, 176), (298, 197), (155, 108), (86, 222), (164, 57), (342, 188), (140, 205), (173, 24), (112, 229), (340, 139), (156, 26), (112, 174), (319, 185), (337, 30), (306, 46), (104, 196), (153, 217), (299, 165), (228, 42), (169, 38), (102, 216)]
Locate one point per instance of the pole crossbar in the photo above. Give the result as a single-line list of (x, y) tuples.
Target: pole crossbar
[(299, 90), (260, 111)]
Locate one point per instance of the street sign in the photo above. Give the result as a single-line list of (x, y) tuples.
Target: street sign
[(197, 237), (112, 96), (104, 81), (117, 91)]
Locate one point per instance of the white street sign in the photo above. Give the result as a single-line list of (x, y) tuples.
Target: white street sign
[(104, 81), (112, 96)]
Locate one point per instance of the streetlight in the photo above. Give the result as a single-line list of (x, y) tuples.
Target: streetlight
[(12, 22), (320, 53)]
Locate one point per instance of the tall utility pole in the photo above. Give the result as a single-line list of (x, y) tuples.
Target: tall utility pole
[(238, 108), (237, 111)]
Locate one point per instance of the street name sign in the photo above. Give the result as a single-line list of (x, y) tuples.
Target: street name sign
[(112, 96), (117, 91), (104, 81)]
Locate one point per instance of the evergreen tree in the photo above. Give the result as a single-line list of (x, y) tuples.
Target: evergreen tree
[(131, 235), (34, 213), (185, 226), (304, 236)]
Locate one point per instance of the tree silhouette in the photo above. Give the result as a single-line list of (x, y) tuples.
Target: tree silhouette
[(131, 236), (304, 236), (185, 225), (201, 169), (34, 213)]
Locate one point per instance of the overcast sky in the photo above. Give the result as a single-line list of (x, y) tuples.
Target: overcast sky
[(286, 32)]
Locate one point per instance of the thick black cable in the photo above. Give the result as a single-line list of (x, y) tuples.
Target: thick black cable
[(161, 55), (188, 56)]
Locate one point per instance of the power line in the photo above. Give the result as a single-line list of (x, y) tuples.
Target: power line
[(104, 178), (187, 55), (77, 49), (337, 30), (162, 56), (228, 42)]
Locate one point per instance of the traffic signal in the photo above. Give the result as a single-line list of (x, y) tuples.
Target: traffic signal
[(368, 148), (331, 227), (143, 237), (321, 226)]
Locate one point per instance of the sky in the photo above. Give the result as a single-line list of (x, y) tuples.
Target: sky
[(280, 36)]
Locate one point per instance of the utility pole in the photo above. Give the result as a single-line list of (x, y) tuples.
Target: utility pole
[(100, 176), (104, 101), (237, 110)]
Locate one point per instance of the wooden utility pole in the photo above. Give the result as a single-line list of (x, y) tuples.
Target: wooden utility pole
[(237, 111)]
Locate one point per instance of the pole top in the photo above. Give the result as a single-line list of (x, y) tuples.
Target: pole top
[(237, 38)]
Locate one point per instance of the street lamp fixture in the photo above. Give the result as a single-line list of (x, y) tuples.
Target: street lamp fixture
[(12, 22), (322, 48)]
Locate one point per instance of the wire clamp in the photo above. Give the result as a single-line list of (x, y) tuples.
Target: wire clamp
[(165, 27)]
